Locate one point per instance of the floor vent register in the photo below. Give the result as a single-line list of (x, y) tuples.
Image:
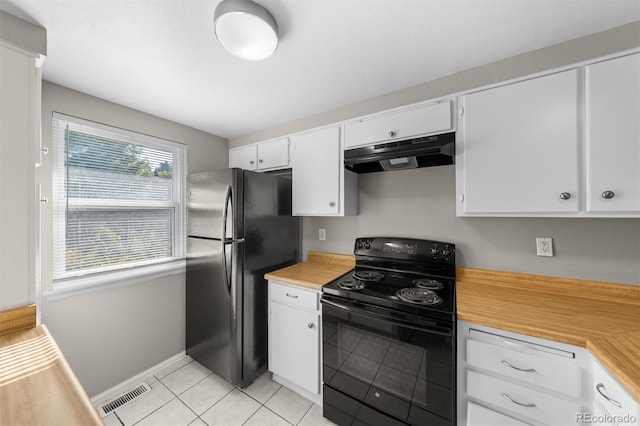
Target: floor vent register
[(123, 399)]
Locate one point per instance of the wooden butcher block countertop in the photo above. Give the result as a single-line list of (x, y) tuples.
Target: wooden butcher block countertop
[(602, 317), (320, 269), (37, 386)]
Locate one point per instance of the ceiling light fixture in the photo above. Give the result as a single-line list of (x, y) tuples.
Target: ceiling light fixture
[(245, 29)]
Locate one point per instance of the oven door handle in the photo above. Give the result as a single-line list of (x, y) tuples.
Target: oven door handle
[(389, 320)]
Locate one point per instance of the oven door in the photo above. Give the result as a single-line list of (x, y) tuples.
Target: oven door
[(382, 368)]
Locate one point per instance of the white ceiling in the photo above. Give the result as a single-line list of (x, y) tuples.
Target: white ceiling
[(161, 57)]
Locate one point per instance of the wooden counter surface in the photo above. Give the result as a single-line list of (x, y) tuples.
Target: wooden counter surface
[(320, 269), (37, 385), (602, 317)]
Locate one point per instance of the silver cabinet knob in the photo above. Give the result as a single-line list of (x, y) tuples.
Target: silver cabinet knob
[(392, 133), (332, 203), (251, 162), (260, 161), (607, 195), (310, 325), (565, 195)]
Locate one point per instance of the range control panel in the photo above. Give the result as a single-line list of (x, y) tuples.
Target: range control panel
[(405, 249)]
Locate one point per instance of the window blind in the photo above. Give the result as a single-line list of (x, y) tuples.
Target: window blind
[(118, 199)]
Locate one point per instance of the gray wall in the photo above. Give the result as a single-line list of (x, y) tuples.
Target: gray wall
[(110, 335), (421, 202)]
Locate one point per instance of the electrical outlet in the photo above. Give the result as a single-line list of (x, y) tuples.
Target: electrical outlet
[(322, 234), (544, 246)]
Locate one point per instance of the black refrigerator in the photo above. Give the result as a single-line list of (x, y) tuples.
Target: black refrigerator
[(239, 226)]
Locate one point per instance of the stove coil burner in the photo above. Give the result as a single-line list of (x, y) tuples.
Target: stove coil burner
[(419, 296), (351, 285), (428, 284), (368, 276)]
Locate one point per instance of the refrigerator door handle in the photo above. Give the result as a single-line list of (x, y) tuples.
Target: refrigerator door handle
[(225, 269), (225, 213)]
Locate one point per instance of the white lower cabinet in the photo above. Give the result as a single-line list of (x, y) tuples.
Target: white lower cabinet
[(612, 405), (478, 415), (508, 378), (294, 339)]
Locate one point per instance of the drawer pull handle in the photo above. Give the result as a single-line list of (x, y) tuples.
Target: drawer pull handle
[(293, 296), (517, 345), (508, 398), (526, 370), (599, 388)]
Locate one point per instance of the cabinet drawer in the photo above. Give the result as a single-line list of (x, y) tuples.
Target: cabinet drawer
[(544, 372), (613, 398), (478, 415), (293, 295), (399, 125), (522, 400)]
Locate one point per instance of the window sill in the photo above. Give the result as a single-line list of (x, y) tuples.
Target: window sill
[(95, 282)]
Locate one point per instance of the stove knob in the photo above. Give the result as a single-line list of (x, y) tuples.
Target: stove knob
[(367, 246), (446, 252), (359, 245), (435, 251)]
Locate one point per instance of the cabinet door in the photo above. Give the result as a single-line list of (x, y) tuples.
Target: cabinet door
[(244, 158), (478, 415), (316, 172), (613, 135), (519, 147), (403, 124), (294, 343), (273, 154)]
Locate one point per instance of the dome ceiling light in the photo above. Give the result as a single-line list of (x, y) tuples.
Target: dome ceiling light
[(245, 29)]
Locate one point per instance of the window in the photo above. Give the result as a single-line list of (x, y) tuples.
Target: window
[(118, 201)]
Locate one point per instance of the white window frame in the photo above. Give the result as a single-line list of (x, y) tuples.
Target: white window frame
[(66, 283)]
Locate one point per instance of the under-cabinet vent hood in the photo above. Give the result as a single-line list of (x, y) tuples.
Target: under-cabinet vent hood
[(426, 151)]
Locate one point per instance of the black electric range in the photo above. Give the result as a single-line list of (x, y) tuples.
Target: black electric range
[(389, 335)]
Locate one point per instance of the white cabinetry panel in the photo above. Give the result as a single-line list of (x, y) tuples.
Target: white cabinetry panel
[(244, 158), (556, 376), (273, 154), (613, 135), (294, 339), (295, 346), (478, 415), (519, 147), (264, 156), (321, 185), (519, 399), (422, 120), (612, 397)]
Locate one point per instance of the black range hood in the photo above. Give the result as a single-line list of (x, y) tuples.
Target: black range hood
[(426, 151)]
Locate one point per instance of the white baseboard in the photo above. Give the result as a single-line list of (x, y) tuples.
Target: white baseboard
[(105, 396)]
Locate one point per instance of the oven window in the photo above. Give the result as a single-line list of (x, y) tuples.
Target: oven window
[(406, 373)]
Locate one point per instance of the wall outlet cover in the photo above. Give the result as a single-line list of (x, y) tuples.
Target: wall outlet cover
[(544, 246)]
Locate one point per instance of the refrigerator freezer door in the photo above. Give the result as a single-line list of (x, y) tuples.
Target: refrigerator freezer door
[(211, 335), (210, 204)]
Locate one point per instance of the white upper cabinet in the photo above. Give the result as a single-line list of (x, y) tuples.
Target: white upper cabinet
[(407, 123), (245, 157), (264, 156), (321, 185), (517, 148), (563, 145), (613, 135), (274, 154)]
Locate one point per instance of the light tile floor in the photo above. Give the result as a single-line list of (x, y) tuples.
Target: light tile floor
[(186, 393)]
